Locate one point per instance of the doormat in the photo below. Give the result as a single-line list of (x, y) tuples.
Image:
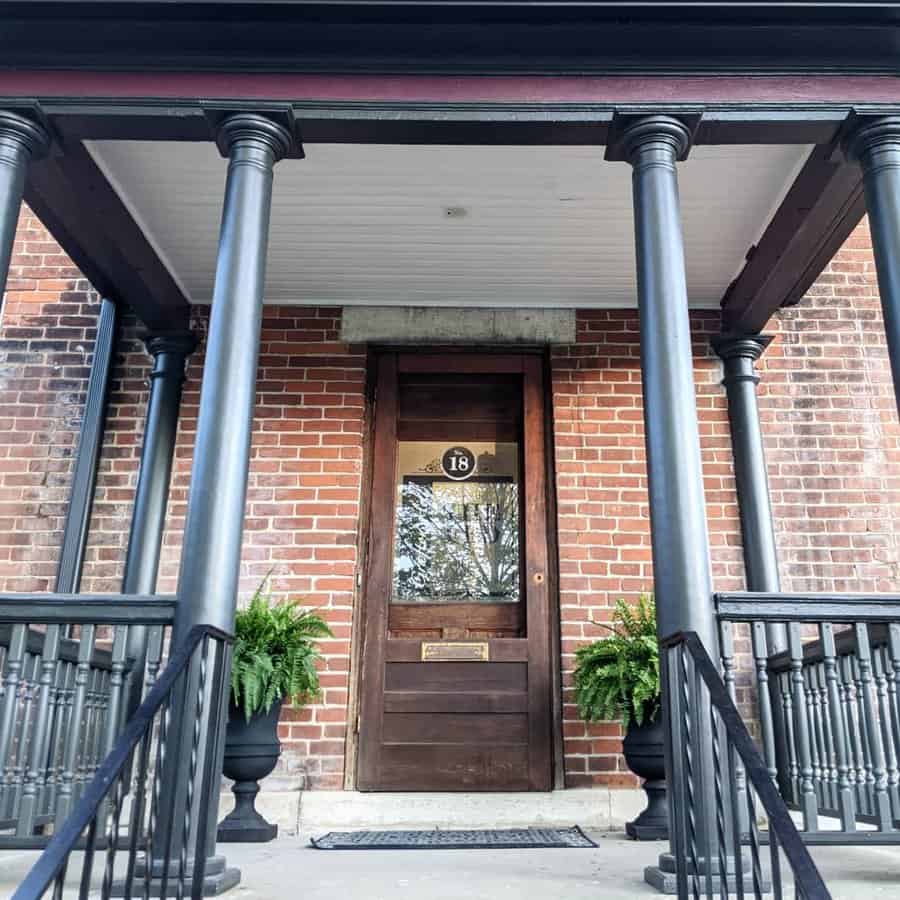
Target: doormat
[(480, 839)]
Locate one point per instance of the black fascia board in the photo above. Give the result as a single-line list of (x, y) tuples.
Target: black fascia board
[(451, 37)]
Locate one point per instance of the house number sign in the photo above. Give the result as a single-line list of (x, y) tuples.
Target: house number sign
[(458, 463)]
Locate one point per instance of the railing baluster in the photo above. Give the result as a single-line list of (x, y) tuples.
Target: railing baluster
[(198, 707), (787, 705), (136, 829), (155, 792), (112, 836), (670, 670), (828, 737), (881, 799), (764, 698), (892, 666), (736, 815), (66, 700), (811, 711), (865, 743), (880, 670), (36, 773), (808, 805), (55, 738), (685, 707), (857, 768), (19, 763), (12, 674), (87, 864), (755, 861), (728, 676), (76, 734), (210, 777), (176, 732), (719, 779), (846, 804)]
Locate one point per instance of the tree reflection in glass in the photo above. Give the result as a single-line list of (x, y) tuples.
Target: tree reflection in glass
[(457, 542)]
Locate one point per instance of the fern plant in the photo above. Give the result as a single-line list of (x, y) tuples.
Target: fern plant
[(618, 677), (275, 653)]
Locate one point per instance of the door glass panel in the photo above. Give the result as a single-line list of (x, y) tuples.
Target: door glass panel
[(457, 523)]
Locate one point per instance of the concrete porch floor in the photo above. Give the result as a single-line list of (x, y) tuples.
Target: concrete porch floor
[(288, 867)]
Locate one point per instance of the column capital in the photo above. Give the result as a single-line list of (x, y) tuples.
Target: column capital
[(869, 137), (253, 130), (23, 134), (666, 138), (184, 342), (169, 352), (741, 346), (739, 352)]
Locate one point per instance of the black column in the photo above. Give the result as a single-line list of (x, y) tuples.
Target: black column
[(739, 354), (681, 568), (876, 146), (169, 352), (21, 140), (148, 520), (211, 552), (682, 574)]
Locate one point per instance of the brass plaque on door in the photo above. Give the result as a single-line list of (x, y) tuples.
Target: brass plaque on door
[(456, 651)]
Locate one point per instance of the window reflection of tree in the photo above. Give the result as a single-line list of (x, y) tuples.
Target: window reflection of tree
[(457, 541)]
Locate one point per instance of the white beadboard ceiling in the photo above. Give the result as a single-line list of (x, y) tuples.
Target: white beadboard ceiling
[(451, 226)]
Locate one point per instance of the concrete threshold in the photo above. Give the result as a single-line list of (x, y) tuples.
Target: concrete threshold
[(599, 809)]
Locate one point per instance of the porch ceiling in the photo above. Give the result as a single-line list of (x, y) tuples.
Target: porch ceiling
[(460, 226)]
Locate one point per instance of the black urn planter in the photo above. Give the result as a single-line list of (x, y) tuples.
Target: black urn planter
[(644, 750), (251, 752)]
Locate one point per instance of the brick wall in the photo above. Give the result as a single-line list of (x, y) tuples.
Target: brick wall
[(829, 419)]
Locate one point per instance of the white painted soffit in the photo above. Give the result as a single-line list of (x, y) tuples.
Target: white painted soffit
[(451, 226)]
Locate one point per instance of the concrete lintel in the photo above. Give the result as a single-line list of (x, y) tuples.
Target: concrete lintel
[(454, 325)]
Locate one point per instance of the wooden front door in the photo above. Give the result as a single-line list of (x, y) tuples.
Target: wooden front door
[(456, 663)]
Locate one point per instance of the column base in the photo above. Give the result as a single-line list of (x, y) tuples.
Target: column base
[(240, 833), (663, 877), (218, 878), (639, 832)]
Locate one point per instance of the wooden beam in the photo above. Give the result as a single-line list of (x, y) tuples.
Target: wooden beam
[(821, 209), (72, 197)]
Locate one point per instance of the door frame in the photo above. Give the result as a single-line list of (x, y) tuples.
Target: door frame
[(537, 578)]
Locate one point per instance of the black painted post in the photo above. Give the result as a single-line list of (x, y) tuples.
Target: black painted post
[(21, 140), (90, 442), (148, 520), (210, 559), (739, 353), (681, 568), (876, 146)]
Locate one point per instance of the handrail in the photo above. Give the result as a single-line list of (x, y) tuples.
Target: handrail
[(87, 609), (808, 880), (53, 861), (808, 608)]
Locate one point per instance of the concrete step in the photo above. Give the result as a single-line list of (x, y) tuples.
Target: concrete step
[(600, 809)]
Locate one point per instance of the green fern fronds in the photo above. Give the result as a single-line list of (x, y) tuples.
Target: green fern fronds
[(618, 677), (275, 652)]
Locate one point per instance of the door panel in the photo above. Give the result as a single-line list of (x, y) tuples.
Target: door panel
[(456, 663)]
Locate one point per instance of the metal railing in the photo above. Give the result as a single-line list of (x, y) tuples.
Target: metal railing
[(122, 813), (828, 707), (714, 814), (72, 667)]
